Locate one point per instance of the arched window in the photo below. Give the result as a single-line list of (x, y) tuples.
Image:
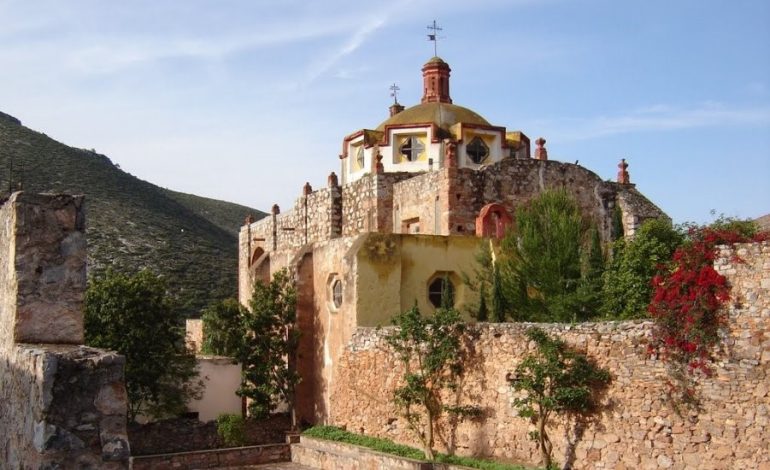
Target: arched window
[(492, 221)]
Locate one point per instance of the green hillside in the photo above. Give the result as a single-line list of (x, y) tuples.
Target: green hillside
[(133, 224)]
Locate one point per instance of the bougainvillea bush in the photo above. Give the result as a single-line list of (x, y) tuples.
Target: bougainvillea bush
[(686, 306)]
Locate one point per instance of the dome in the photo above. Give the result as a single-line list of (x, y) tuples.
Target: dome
[(443, 115)]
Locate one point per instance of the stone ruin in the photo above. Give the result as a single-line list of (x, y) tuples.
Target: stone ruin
[(62, 404)]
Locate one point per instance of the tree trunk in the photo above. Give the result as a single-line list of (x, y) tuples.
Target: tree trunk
[(429, 438), (545, 443)]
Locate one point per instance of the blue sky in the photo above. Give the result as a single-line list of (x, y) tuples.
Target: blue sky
[(246, 100)]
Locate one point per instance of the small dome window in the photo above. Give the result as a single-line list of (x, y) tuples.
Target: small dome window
[(477, 150), (360, 156), (412, 148)]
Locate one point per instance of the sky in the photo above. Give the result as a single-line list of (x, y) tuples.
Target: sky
[(246, 100)]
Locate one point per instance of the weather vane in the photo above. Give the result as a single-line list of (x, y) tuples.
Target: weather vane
[(433, 36), (394, 93)]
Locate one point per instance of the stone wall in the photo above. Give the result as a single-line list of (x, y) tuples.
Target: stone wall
[(187, 435), (420, 198), (515, 182), (637, 428), (62, 405), (237, 457)]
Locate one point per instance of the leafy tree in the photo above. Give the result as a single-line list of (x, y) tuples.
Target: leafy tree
[(268, 353), (627, 287), (429, 349), (556, 380), (544, 264), (133, 316), (223, 328)]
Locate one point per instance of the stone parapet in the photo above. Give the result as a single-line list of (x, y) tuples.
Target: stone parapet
[(330, 455), (236, 457), (62, 407)]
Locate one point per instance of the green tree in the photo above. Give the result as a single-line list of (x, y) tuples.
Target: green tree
[(556, 380), (627, 287), (479, 281), (223, 328), (499, 302), (133, 316), (429, 348), (544, 262), (269, 351)]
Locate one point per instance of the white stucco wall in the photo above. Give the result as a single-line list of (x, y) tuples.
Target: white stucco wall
[(221, 378)]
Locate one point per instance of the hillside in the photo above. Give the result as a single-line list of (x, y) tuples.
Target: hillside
[(133, 224)]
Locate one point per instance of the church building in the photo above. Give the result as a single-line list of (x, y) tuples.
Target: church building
[(415, 197)]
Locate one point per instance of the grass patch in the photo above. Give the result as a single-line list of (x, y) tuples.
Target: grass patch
[(331, 433)]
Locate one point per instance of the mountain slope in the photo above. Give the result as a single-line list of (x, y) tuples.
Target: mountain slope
[(132, 224)]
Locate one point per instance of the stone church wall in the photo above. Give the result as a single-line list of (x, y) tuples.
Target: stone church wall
[(636, 429), (62, 405)]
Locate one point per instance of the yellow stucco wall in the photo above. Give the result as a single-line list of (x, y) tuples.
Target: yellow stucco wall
[(393, 271)]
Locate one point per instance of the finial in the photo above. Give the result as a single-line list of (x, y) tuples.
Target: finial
[(540, 152), (623, 176), (394, 89), (332, 180), (434, 36), (307, 189), (275, 210), (379, 167), (450, 153), (249, 220)]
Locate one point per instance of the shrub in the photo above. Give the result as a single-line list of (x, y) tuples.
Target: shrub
[(687, 307), (232, 429), (556, 380), (626, 282)]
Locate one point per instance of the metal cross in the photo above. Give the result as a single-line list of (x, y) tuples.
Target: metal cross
[(434, 36), (394, 93)]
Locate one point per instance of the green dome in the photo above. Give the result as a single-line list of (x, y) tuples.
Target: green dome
[(444, 115)]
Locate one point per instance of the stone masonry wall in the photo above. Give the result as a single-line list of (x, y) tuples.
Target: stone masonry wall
[(62, 405), (418, 198), (637, 428)]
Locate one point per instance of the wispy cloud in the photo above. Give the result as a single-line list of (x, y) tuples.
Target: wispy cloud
[(378, 18), (658, 118)]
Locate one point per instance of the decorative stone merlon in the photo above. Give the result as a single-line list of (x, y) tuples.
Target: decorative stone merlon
[(450, 153), (43, 239), (623, 176), (332, 181), (248, 220), (378, 166), (307, 189), (275, 209), (540, 152)]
